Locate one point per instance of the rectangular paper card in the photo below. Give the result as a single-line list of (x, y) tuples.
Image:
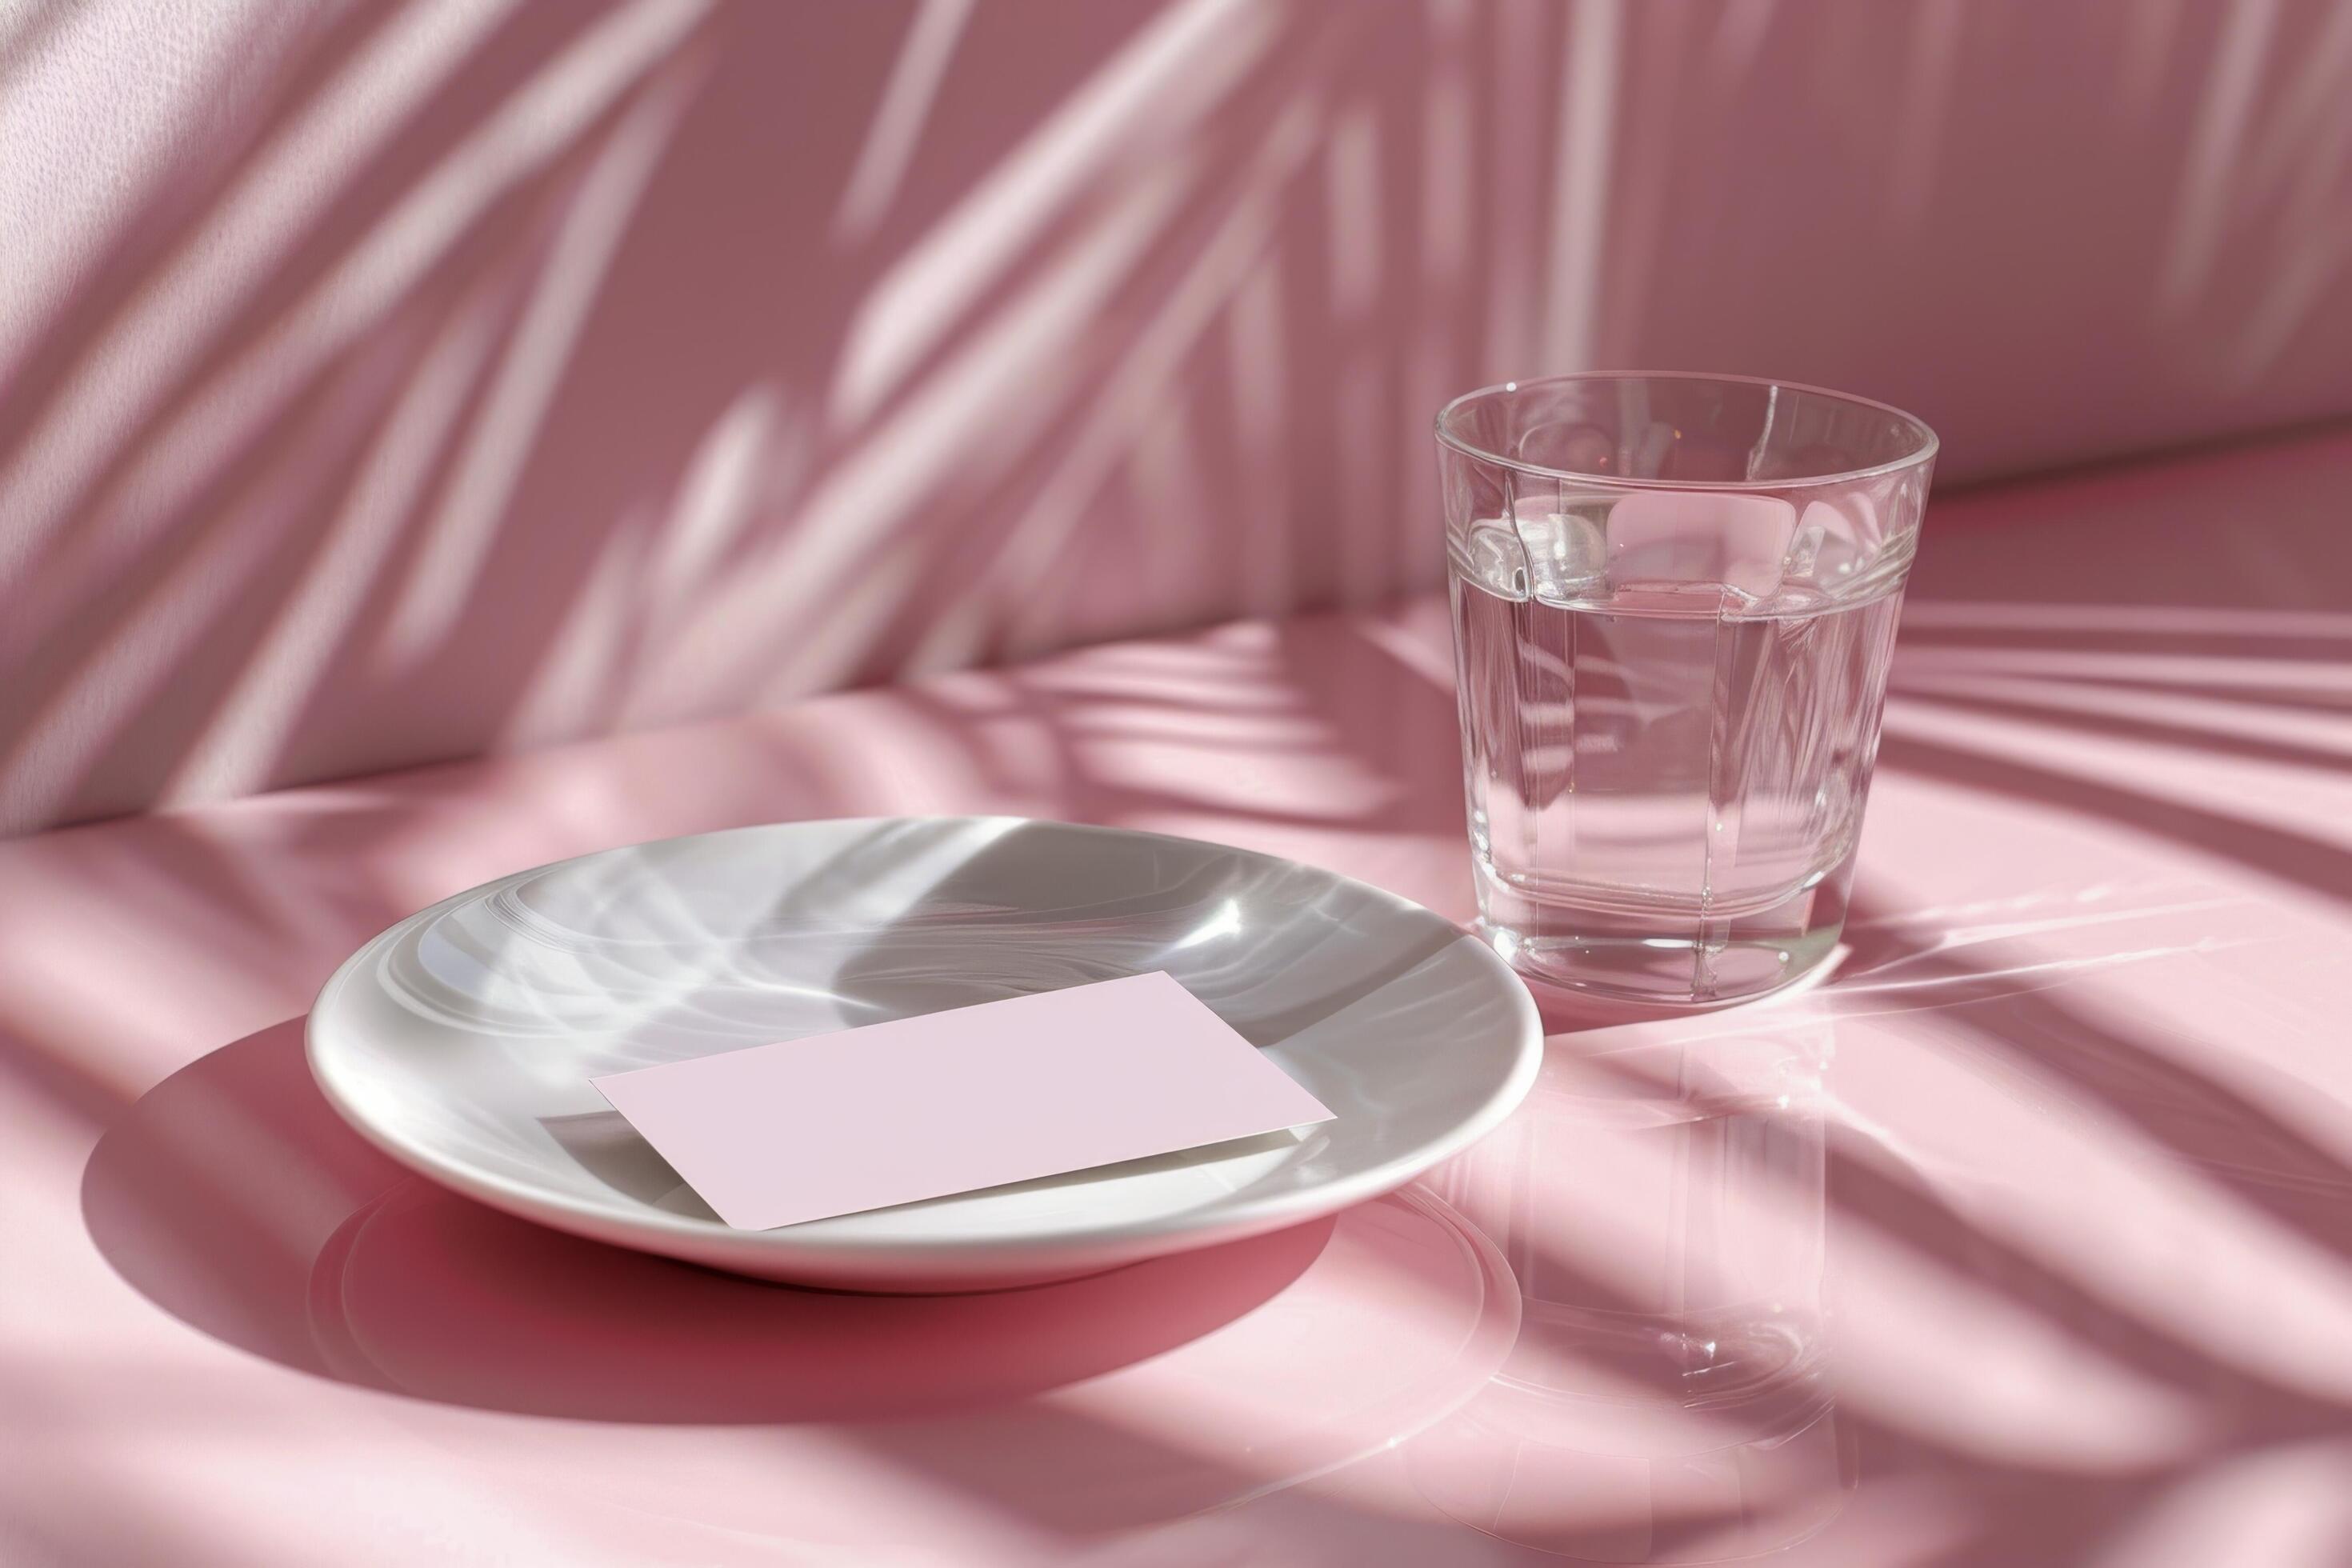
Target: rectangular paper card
[(950, 1102)]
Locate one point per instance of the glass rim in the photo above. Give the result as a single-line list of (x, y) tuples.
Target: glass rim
[(1923, 452)]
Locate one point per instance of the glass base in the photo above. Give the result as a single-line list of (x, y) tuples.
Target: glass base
[(1661, 972), (1662, 952)]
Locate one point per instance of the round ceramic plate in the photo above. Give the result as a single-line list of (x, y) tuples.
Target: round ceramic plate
[(462, 1040)]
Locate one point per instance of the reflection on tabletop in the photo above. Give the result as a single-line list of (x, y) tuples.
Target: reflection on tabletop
[(1659, 1199)]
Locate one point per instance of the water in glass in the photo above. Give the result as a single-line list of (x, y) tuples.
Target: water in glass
[(1666, 772)]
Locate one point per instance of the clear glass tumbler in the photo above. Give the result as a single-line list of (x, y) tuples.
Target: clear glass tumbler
[(1674, 598)]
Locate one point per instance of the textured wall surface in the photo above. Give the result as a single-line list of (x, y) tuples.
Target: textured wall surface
[(388, 383)]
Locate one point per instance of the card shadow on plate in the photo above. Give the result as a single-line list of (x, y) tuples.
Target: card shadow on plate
[(232, 1197), (603, 1144)]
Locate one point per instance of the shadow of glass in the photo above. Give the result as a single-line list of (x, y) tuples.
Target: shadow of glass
[(233, 1197)]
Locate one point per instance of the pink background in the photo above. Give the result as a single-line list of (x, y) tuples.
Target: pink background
[(405, 382), (401, 382)]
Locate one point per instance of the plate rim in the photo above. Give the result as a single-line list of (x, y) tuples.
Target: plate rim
[(1272, 1212)]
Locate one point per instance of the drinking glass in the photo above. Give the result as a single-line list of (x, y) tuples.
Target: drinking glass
[(1674, 598)]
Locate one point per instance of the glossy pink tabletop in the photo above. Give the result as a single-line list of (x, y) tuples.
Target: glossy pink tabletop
[(2035, 1216)]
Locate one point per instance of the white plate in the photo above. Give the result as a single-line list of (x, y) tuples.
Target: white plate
[(461, 1041)]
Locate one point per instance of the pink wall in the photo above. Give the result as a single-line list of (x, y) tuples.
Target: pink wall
[(402, 383)]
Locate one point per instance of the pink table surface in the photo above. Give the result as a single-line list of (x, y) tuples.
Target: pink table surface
[(2078, 1154)]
